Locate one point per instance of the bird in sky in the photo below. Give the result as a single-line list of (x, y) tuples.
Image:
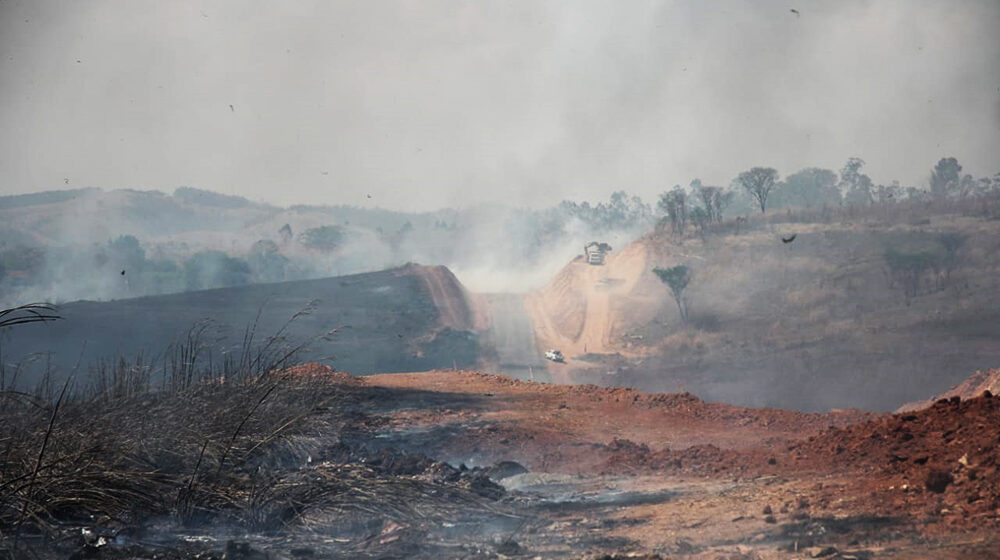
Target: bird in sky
[(789, 239)]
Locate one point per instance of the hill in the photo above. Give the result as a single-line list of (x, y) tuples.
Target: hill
[(826, 321), (405, 319)]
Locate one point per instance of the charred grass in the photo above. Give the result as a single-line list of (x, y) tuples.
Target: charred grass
[(267, 454)]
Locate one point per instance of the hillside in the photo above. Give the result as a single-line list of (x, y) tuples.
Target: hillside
[(404, 319), (818, 323)]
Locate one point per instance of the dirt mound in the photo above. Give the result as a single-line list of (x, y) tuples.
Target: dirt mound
[(313, 370), (407, 319), (974, 386), (914, 442), (450, 298), (943, 460)]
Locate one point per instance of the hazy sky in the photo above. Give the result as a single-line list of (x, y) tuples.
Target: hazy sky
[(426, 104)]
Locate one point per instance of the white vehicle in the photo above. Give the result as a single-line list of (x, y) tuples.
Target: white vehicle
[(555, 356)]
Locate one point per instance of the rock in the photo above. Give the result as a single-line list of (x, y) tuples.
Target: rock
[(768, 510), (770, 519)]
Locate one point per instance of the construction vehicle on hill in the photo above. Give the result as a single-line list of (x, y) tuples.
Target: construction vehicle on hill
[(594, 252)]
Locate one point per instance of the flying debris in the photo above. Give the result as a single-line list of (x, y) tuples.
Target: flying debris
[(123, 273), (789, 239), (794, 11), (369, 196), (231, 108)]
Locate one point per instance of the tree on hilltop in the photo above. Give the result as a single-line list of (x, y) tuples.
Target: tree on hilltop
[(759, 181)]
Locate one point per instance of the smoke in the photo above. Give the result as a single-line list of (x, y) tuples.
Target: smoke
[(151, 243), (435, 104)]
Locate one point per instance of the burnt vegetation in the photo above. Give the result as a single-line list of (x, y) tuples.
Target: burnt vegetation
[(271, 453)]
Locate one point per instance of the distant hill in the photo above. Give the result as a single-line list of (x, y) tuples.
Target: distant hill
[(45, 197)]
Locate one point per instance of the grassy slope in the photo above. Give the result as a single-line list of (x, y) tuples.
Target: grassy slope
[(816, 323)]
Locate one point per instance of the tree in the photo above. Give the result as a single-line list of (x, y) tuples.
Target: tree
[(856, 186), (759, 182), (713, 199), (951, 243), (674, 204), (701, 219), (620, 212), (127, 253), (808, 188), (887, 194), (285, 234), (677, 278), (323, 238), (945, 177)]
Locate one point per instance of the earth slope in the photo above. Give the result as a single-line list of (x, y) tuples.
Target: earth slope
[(816, 324), (410, 318)]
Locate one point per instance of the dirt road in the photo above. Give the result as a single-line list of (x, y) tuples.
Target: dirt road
[(615, 469), (513, 337)]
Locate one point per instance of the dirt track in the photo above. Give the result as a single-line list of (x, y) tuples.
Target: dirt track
[(512, 335)]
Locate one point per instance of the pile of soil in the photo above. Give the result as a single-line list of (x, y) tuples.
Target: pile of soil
[(987, 380), (942, 460), (314, 370)]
